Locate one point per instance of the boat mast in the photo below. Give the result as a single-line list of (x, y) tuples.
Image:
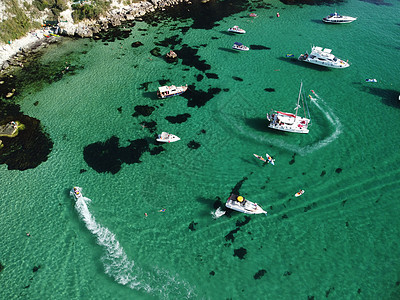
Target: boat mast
[(298, 99)]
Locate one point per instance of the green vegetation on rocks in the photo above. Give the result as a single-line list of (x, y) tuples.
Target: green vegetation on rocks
[(89, 10)]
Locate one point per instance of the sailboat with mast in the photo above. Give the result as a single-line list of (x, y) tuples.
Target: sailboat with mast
[(288, 121)]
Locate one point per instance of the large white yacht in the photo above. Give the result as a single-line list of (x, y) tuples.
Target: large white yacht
[(323, 57), (338, 19)]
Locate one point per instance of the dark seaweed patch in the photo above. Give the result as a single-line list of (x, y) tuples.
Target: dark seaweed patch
[(143, 110), (260, 274), (199, 98), (108, 156), (240, 253), (36, 268), (269, 90), (329, 291), (237, 78), (82, 171), (226, 90), (30, 147), (236, 189), (151, 126), (338, 170), (170, 42), (308, 207), (246, 220), (323, 173), (193, 145), (136, 44), (178, 118), (259, 47), (1, 267), (359, 291), (164, 81), (293, 159), (347, 223), (212, 76), (199, 77), (311, 2), (287, 273), (155, 51), (212, 273), (230, 236), (204, 15), (191, 226), (190, 58), (144, 86), (36, 103), (284, 216), (119, 109), (156, 150)]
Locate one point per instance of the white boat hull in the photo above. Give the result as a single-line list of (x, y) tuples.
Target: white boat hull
[(246, 207), (166, 137), (339, 65)]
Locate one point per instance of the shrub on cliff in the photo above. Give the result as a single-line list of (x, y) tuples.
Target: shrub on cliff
[(90, 10), (17, 24)]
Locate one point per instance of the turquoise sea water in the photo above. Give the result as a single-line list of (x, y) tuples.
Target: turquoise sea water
[(339, 240)]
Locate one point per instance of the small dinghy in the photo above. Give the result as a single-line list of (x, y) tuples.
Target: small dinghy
[(243, 205), (269, 158), (166, 137), (76, 192), (253, 15), (299, 193), (260, 157), (371, 80)]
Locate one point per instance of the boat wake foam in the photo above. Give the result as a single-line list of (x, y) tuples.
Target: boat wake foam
[(124, 271), (218, 213)]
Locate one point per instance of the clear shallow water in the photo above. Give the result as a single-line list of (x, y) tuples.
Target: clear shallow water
[(339, 240)]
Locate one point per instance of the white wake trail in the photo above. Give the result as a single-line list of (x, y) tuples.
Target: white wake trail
[(118, 266)]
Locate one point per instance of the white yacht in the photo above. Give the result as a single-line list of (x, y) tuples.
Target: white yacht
[(166, 137), (169, 91), (76, 192), (338, 19), (240, 46), (236, 29), (290, 122), (323, 57), (240, 204)]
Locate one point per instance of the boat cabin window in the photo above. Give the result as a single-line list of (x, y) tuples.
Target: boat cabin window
[(312, 56)]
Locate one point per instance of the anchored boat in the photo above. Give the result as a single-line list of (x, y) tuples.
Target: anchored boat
[(169, 91), (338, 19), (323, 57), (166, 137), (290, 122), (240, 204)]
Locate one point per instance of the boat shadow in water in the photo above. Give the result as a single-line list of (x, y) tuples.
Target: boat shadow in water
[(296, 62), (227, 33), (151, 95), (261, 124), (318, 21), (389, 97), (228, 50)]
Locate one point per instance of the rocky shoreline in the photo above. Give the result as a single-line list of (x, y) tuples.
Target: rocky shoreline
[(86, 29)]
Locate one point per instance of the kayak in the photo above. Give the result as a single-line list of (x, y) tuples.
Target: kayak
[(260, 157), (301, 192), (270, 160)]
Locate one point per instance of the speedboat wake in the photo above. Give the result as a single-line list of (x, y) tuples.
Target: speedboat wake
[(124, 271)]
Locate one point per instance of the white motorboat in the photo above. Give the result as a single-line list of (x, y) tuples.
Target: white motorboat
[(236, 29), (338, 19), (240, 46), (290, 122), (240, 204), (323, 57), (76, 192), (166, 137), (169, 91)]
